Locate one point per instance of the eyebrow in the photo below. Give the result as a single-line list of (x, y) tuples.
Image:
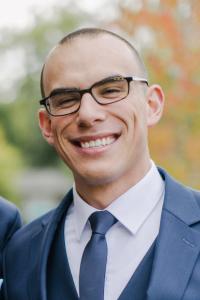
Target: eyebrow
[(74, 89), (63, 89)]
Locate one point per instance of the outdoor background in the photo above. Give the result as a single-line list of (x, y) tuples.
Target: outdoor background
[(166, 32)]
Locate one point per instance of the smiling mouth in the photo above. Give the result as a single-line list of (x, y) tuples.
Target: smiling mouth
[(97, 142)]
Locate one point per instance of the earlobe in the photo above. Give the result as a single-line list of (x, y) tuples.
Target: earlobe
[(155, 99), (45, 126)]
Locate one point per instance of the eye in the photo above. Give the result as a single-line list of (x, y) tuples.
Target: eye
[(111, 89), (65, 100)]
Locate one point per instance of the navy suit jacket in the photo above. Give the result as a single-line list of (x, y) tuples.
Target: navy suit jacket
[(176, 267), (9, 222)]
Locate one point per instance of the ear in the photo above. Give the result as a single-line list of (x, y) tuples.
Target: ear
[(45, 126), (155, 102)]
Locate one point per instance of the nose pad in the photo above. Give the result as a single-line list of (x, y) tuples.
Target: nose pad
[(90, 111)]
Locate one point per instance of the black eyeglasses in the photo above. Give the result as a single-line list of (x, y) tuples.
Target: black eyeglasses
[(66, 101)]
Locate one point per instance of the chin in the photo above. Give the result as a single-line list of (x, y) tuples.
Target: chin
[(98, 177)]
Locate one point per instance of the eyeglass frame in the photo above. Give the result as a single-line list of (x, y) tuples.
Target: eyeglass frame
[(89, 90)]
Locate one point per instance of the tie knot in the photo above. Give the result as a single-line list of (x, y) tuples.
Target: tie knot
[(101, 221)]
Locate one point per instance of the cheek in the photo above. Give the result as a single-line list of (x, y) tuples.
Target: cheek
[(131, 115), (138, 111), (136, 123), (61, 126), (59, 130)]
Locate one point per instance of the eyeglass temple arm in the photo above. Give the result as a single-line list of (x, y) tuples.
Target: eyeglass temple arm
[(135, 78)]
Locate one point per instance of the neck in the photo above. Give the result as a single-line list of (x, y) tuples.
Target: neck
[(102, 195)]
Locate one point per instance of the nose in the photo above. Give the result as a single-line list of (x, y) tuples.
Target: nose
[(90, 112)]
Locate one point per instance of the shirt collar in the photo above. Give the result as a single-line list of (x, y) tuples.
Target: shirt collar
[(134, 207), (82, 212), (131, 209)]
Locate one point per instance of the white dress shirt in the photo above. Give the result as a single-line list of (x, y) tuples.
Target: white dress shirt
[(138, 212)]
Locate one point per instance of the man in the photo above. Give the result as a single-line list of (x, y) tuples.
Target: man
[(127, 230), (9, 222)]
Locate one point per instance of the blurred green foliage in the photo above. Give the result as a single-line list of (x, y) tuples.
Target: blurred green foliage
[(10, 163), (22, 145), (171, 52)]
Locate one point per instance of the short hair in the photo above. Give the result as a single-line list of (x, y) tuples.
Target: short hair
[(94, 32)]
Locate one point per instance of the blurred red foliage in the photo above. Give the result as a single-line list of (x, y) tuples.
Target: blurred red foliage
[(167, 33)]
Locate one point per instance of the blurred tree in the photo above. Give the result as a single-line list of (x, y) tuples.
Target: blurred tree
[(22, 53), (167, 32), (10, 163), (25, 52)]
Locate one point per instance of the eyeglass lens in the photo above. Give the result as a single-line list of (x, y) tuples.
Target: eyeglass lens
[(104, 92)]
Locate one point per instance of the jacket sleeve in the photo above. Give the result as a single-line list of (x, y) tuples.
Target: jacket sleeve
[(10, 221)]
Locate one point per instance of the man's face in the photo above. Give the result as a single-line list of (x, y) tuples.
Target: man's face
[(116, 133)]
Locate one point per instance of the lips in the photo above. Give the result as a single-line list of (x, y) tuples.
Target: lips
[(95, 141), (98, 142)]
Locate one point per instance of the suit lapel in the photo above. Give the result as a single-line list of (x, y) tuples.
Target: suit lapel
[(178, 244), (44, 239)]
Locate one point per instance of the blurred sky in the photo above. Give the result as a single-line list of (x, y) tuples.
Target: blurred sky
[(19, 14)]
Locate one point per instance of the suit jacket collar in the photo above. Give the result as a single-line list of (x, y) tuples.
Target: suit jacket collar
[(177, 247), (178, 242), (48, 226), (179, 200)]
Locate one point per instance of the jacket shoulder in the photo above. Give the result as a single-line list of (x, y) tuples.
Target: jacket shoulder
[(196, 194), (37, 228), (25, 234), (32, 236), (10, 220), (7, 210)]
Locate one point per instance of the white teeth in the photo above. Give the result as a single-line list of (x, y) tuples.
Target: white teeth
[(98, 143), (91, 144), (104, 141)]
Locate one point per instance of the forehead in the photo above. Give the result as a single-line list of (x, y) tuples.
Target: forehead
[(84, 60)]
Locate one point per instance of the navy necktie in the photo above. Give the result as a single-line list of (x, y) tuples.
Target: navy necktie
[(93, 263)]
